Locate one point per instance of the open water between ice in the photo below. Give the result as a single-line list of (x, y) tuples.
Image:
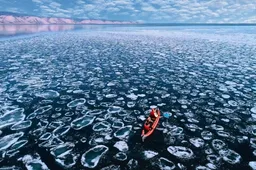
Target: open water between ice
[(78, 99)]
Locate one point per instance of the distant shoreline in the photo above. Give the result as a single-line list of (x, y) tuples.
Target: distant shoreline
[(139, 24)]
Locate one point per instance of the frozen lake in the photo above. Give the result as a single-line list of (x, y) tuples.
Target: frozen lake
[(76, 97)]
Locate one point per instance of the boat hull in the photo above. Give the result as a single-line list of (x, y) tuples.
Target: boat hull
[(145, 134)]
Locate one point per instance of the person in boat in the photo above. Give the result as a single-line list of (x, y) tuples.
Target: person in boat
[(152, 117)]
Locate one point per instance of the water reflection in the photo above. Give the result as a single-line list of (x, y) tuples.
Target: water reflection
[(12, 30), (6, 30)]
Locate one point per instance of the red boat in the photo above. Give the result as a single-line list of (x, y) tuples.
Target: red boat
[(145, 133)]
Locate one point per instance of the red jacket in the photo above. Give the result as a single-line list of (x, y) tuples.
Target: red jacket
[(153, 113)]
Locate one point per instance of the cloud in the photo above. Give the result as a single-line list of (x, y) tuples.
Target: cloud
[(37, 1), (148, 11), (55, 5), (80, 2), (93, 15), (112, 9), (89, 7)]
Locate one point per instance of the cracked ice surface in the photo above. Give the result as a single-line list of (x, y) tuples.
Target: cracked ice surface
[(80, 99)]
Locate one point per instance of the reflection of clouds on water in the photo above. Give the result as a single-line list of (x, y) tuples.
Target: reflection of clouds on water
[(28, 29)]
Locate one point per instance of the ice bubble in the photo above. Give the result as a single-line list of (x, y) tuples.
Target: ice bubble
[(165, 164), (149, 154), (8, 140), (123, 132), (181, 152), (121, 146), (121, 156), (197, 142), (76, 102), (12, 117), (91, 158), (82, 122), (21, 125)]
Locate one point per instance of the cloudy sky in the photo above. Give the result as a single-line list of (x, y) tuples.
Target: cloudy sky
[(160, 11)]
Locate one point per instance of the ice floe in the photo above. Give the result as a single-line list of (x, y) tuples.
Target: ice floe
[(197, 142), (12, 117), (181, 152), (22, 125), (76, 102), (218, 144), (48, 94), (100, 126), (82, 122), (123, 132), (252, 164), (120, 156), (230, 156), (34, 162), (8, 140), (91, 158), (165, 164), (121, 146), (60, 131), (149, 154), (18, 145)]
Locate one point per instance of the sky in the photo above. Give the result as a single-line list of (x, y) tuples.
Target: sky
[(147, 11)]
